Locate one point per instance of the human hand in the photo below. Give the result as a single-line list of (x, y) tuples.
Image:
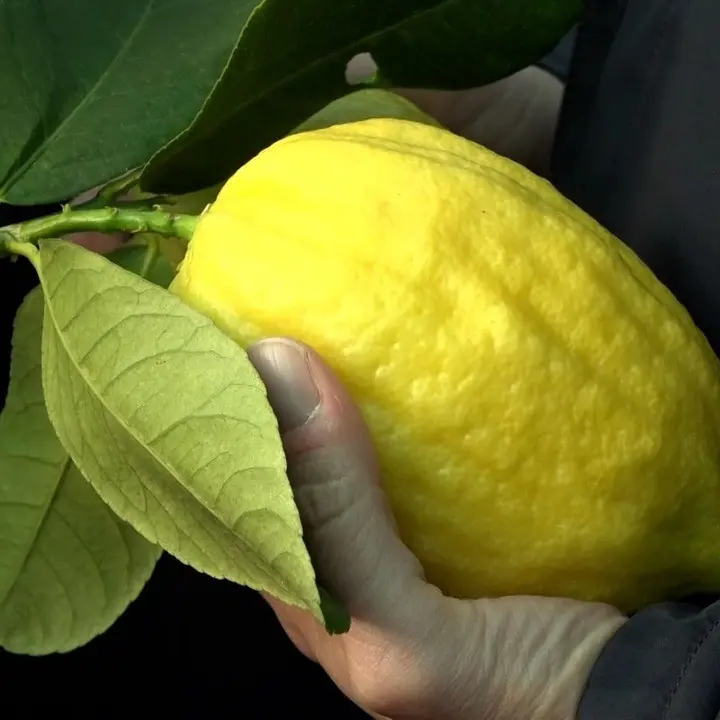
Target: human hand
[(411, 653), (515, 117)]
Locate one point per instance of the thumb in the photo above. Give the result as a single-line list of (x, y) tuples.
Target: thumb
[(333, 469)]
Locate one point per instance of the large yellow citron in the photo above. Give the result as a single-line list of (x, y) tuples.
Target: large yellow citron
[(546, 413)]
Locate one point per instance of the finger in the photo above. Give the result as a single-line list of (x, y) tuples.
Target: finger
[(297, 624), (334, 472), (100, 243), (515, 117)]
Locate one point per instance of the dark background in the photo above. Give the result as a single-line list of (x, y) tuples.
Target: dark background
[(188, 646)]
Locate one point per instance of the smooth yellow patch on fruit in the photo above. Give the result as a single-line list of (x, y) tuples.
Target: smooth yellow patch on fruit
[(546, 413)]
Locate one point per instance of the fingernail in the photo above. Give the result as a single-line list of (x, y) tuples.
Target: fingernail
[(285, 369)]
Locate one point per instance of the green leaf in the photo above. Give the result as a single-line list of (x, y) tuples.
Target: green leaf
[(168, 419), (269, 87), (337, 620), (363, 105), (68, 565), (90, 89)]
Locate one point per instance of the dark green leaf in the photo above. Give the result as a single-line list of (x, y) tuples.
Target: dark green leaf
[(337, 620), (69, 566), (89, 89), (169, 421), (292, 56)]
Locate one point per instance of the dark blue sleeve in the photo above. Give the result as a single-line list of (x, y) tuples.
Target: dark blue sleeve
[(663, 664), (558, 61), (638, 147)]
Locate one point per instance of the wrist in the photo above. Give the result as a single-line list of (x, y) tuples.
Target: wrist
[(532, 656), (586, 641)]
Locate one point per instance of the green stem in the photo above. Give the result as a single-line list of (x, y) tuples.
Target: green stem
[(151, 253), (104, 220), (111, 194), (17, 247), (113, 189), (99, 202)]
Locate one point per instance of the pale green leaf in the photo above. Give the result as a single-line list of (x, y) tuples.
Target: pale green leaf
[(68, 565), (364, 105), (168, 419)]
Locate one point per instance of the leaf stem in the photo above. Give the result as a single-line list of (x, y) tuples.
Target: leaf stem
[(115, 193), (104, 220), (18, 247), (151, 252), (112, 190)]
